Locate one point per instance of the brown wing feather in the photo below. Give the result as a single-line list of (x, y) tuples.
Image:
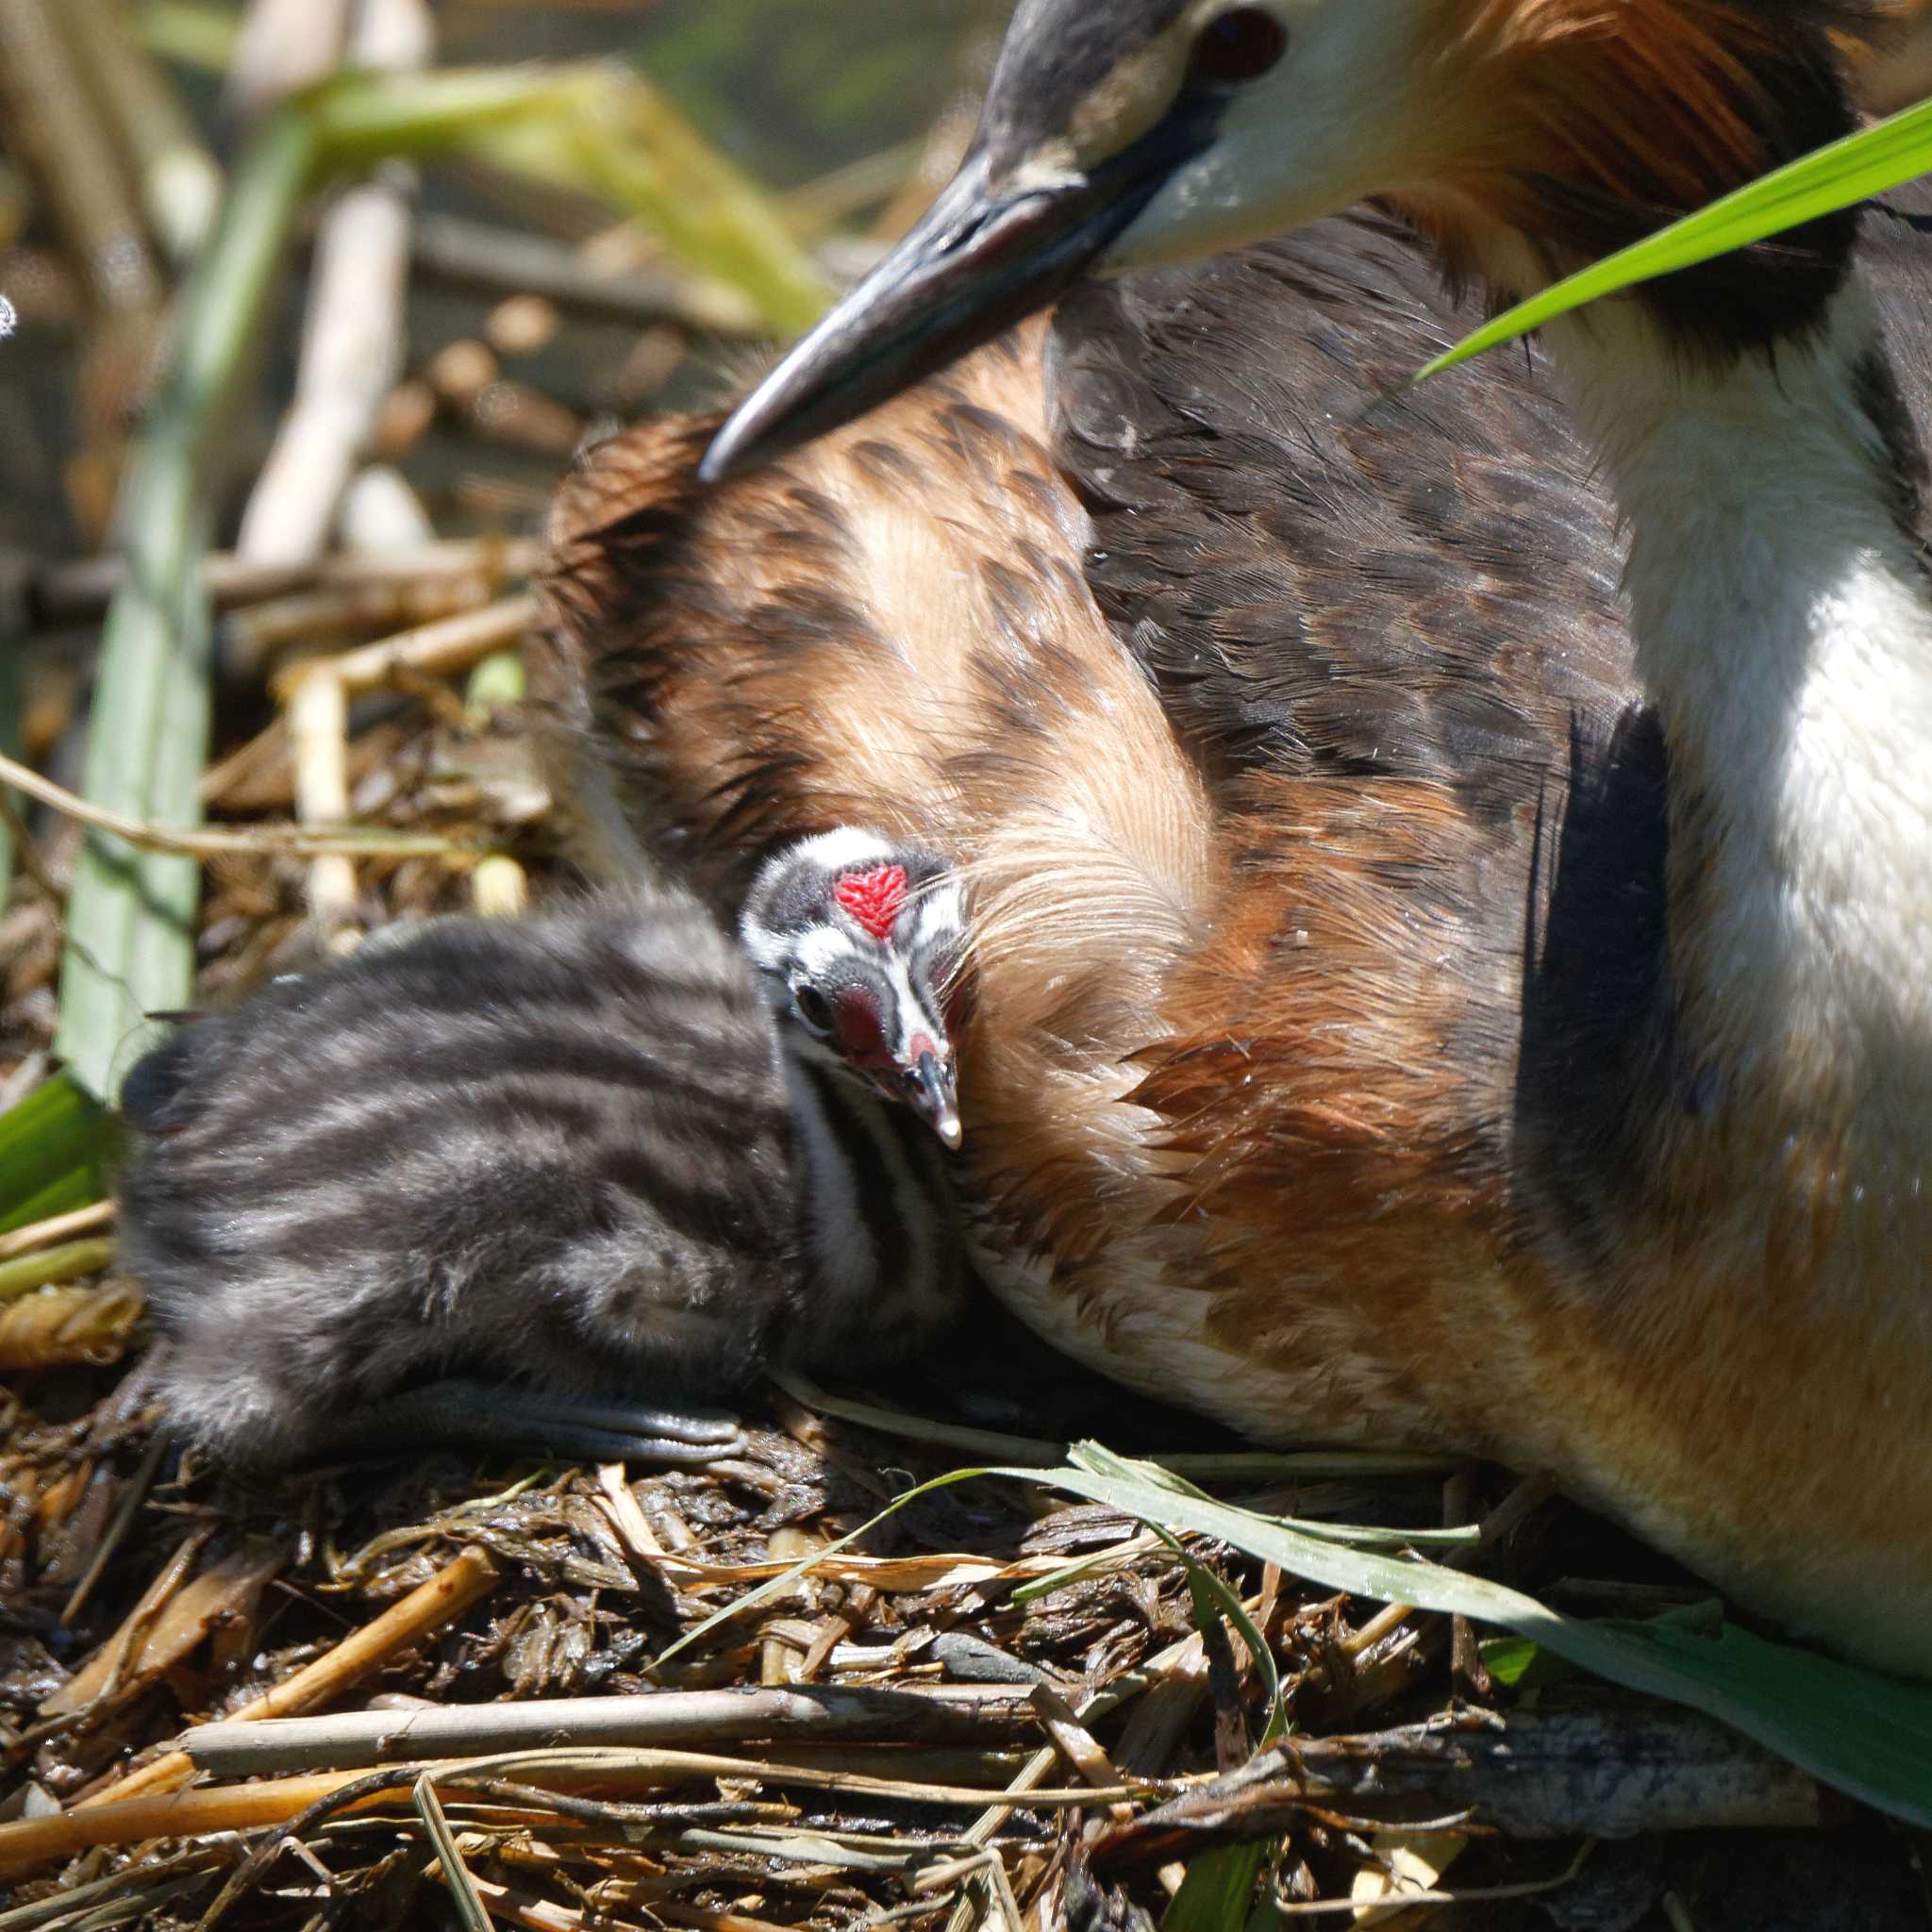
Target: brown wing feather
[(1257, 896), (1324, 574)]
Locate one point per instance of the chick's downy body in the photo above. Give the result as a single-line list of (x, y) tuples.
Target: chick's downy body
[(574, 1163)]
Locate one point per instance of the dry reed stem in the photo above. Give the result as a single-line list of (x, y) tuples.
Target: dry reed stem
[(319, 745), (915, 1714), (377, 608), (284, 45), (621, 1504), (41, 1233), (499, 888), (464, 1581), (430, 650), (28, 1842), (1074, 1741), (72, 592), (1385, 1622), (354, 337), (353, 346), (786, 1545), (214, 843)]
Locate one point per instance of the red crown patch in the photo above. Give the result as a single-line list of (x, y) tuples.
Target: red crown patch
[(874, 898)]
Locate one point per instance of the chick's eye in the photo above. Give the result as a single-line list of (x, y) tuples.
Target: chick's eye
[(813, 1008), (1238, 45)]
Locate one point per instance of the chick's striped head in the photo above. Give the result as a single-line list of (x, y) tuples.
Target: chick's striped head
[(859, 940)]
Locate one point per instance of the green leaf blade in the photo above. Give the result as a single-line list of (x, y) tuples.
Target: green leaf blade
[(130, 939), (54, 1146), (1895, 150), (1867, 1734)]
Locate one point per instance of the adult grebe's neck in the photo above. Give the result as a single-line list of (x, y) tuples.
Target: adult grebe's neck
[(1782, 620), (1746, 420), (1782, 627)]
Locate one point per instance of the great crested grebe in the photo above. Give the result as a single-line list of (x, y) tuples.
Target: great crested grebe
[(1422, 999), (521, 1183)]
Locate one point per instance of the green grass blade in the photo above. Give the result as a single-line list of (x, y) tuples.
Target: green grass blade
[(1866, 1733), (50, 1267), (1213, 1598), (600, 130), (362, 118), (79, 1187), (130, 943), (1862, 164), (1217, 1891), (54, 1146), (642, 155), (1518, 1664)]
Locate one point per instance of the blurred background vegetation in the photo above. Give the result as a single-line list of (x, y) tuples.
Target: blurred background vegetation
[(795, 93), (296, 283)]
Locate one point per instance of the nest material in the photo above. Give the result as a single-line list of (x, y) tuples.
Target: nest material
[(895, 1734), (994, 1706)]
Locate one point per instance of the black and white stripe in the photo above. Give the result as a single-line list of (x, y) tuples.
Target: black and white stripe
[(883, 1239), (579, 1153)]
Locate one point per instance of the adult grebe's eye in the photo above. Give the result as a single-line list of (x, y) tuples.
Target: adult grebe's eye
[(813, 1008), (1238, 45)]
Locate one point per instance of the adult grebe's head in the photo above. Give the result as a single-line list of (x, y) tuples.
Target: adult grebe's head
[(1522, 135)]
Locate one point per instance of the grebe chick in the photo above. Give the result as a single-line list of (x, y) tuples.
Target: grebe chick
[(534, 1185)]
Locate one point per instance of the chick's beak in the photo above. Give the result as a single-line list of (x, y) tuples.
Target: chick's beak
[(988, 254), (934, 1098)]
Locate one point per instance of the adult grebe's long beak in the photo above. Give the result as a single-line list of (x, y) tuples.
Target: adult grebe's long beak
[(986, 254)]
